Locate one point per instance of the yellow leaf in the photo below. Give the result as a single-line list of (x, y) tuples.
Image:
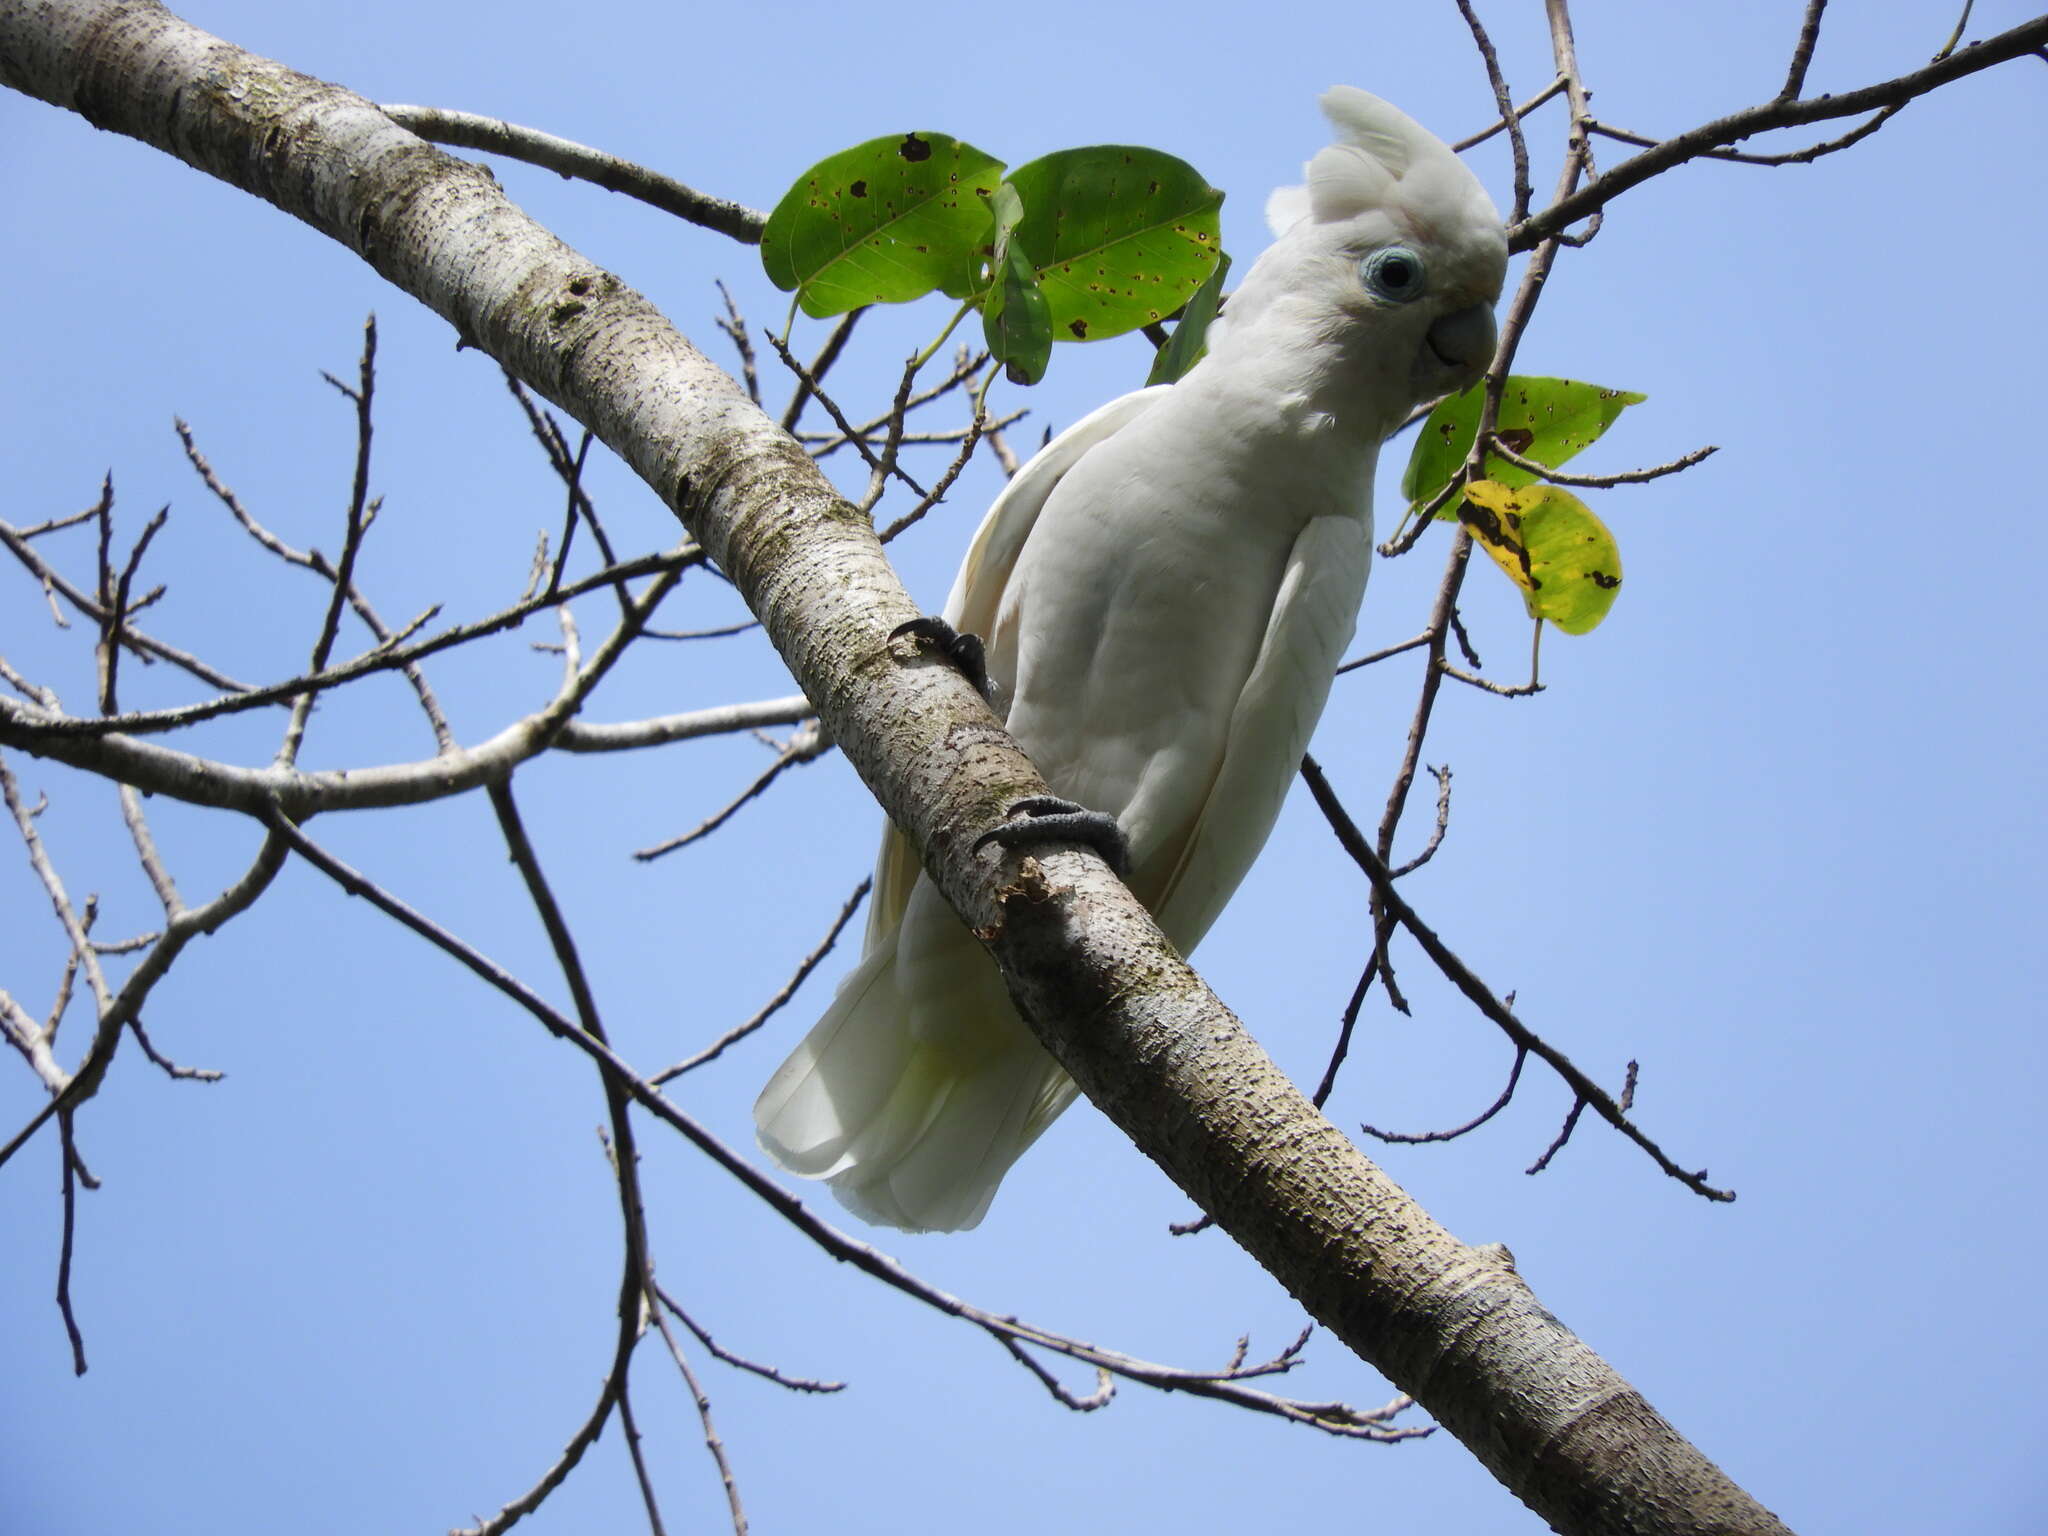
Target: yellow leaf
[(1549, 544)]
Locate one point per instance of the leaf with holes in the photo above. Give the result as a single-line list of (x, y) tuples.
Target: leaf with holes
[(1118, 236), (1551, 546), (1548, 420), (883, 223)]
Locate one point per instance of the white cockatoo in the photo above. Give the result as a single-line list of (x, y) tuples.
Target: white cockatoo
[(1165, 592)]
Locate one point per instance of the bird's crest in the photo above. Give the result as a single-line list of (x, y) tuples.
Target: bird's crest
[(1381, 157)]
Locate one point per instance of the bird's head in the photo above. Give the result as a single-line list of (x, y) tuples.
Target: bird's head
[(1387, 264)]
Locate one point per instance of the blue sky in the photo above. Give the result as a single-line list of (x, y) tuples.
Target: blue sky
[(1775, 831)]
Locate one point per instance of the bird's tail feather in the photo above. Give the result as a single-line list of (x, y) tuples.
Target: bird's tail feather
[(912, 1130)]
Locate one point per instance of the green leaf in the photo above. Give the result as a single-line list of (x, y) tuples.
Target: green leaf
[(1190, 339), (1015, 317), (1551, 546), (1548, 420), (1118, 236), (883, 223)]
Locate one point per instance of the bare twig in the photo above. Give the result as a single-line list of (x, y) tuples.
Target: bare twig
[(1332, 1418), (1382, 655), (141, 644), (807, 384), (1510, 118), (740, 1362), (360, 513), (734, 324), (318, 564), (1601, 482), (379, 659), (810, 382), (942, 485), (1802, 51), (1486, 1114), (72, 1167), (712, 1442), (1442, 775), (1499, 125), (768, 1009), (1477, 993), (2016, 42), (469, 130), (805, 746)]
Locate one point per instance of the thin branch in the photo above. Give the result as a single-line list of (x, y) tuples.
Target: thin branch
[(805, 746), (114, 596), (317, 563), (1442, 775), (1473, 141), (378, 659), (2026, 38), (1571, 1121), (360, 515), (584, 1437), (967, 367), (1601, 482), (740, 1362), (1105, 1384), (1510, 118), (141, 644), (69, 1155), (630, 1428), (809, 380), (1802, 51), (625, 1154), (1332, 1418), (1406, 1139), (54, 524), (719, 720), (892, 441), (32, 1040), (117, 1013), (807, 383), (1487, 685), (1382, 655), (712, 1442), (469, 130), (1806, 156), (942, 485), (734, 324), (170, 1068), (768, 1009), (1476, 991)]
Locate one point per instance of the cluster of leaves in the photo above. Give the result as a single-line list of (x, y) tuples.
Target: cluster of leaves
[(1563, 558), (1079, 245), (1085, 244)]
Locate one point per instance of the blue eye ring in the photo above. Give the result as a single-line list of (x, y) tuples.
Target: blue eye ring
[(1394, 274)]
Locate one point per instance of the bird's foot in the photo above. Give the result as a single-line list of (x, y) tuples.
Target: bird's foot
[(1053, 820), (963, 650)]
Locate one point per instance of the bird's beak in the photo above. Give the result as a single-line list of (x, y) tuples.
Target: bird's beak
[(1463, 342)]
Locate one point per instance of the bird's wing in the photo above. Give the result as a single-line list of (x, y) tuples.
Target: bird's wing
[(978, 589), (1313, 619), (978, 593)]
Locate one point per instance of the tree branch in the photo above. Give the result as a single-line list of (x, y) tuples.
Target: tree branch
[(2017, 42)]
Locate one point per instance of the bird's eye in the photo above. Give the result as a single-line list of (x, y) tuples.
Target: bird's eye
[(1394, 274)]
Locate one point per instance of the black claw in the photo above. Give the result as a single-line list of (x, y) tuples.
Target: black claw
[(964, 650), (1053, 820)]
